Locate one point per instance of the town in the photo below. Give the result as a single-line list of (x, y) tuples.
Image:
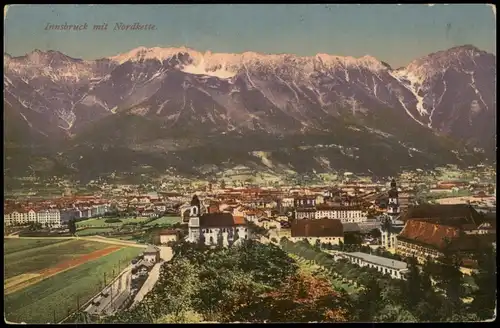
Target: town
[(390, 225)]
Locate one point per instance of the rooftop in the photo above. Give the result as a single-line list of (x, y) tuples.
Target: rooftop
[(351, 227), (454, 215), (379, 260), (151, 249), (167, 232), (220, 220), (317, 228)]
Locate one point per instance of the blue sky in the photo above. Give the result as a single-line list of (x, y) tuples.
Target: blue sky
[(393, 33)]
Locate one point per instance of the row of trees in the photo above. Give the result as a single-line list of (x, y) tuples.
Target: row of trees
[(437, 291)]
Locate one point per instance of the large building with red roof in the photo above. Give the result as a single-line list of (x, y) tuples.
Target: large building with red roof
[(436, 230)]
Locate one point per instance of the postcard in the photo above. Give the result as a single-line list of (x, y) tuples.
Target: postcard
[(237, 163)]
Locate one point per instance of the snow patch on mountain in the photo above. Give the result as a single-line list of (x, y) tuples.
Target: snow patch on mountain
[(264, 157), (413, 83)]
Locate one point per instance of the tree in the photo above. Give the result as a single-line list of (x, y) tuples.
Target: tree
[(72, 227), (412, 284), (172, 294), (484, 297), (302, 298), (395, 313), (352, 238), (369, 303), (425, 310), (223, 291), (188, 316), (450, 281), (252, 256)]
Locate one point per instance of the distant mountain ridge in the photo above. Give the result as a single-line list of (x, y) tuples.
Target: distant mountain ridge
[(159, 95)]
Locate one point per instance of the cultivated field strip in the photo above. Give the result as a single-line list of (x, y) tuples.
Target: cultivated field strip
[(50, 293)]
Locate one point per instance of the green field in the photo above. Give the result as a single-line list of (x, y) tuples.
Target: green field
[(93, 231), (12, 245), (97, 223), (37, 257), (58, 295), (165, 221)]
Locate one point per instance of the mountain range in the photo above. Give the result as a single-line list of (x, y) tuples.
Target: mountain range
[(196, 113)]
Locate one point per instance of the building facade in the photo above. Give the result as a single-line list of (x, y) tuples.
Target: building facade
[(167, 236), (324, 231), (396, 269), (304, 202), (305, 213), (216, 228), (152, 254), (346, 214)]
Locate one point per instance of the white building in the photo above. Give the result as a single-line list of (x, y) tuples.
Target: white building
[(167, 236), (152, 254), (346, 214), (215, 228), (305, 213), (268, 224), (46, 217), (50, 217), (287, 202), (15, 218), (396, 269)]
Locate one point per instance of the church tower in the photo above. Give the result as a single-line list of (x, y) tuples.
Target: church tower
[(194, 220), (393, 204)]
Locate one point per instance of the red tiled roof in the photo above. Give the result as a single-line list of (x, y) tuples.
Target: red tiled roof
[(456, 214), (428, 233), (239, 220), (168, 232), (317, 228)]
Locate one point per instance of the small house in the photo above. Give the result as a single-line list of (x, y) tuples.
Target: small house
[(152, 254), (167, 236)]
